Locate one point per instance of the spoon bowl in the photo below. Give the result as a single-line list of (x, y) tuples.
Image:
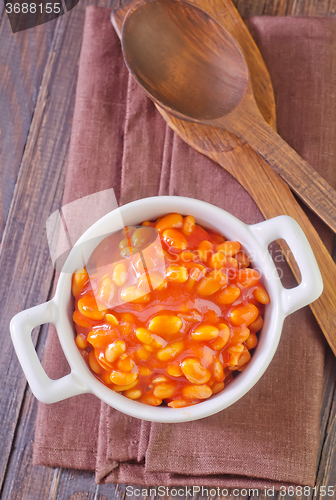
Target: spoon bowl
[(192, 67), (167, 49)]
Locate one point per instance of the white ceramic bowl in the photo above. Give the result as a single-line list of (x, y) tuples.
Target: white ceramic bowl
[(254, 238)]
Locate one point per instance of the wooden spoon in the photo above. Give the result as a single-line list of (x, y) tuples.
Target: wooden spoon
[(193, 68), (270, 193)]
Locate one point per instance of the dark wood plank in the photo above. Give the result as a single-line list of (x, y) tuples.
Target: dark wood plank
[(80, 485), (314, 8), (326, 475), (25, 482), (249, 8), (2, 10), (24, 257), (22, 62)]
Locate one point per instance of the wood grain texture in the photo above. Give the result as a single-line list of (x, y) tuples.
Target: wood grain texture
[(249, 8), (23, 481), (21, 69), (24, 256), (2, 10), (23, 246)]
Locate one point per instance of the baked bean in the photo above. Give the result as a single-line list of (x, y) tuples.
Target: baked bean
[(111, 319), (94, 365), (231, 262), (218, 371), (81, 320), (144, 335), (165, 325), (145, 371), (261, 295), (187, 256), (120, 274), (101, 337), (151, 400), (228, 295), (243, 314), (124, 244), (244, 358), (197, 391), (217, 260), (252, 341), (88, 307), (234, 354), (134, 294), (177, 274), (133, 393), (204, 333), (142, 236), (204, 250), (125, 364), (123, 378), (170, 351), (79, 280), (164, 391), (175, 239), (209, 285), (127, 387), (158, 342), (242, 259), (194, 371), (229, 248), (81, 341), (106, 291), (114, 350), (159, 379), (187, 313), (219, 276), (218, 387), (188, 225), (193, 277), (105, 376), (216, 238), (103, 361), (248, 277), (257, 324), (174, 370), (179, 403), (169, 221), (240, 334), (143, 354), (222, 338), (128, 251)]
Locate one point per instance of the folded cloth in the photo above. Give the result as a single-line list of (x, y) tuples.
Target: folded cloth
[(270, 437)]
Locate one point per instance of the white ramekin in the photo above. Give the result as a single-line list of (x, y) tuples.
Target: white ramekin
[(254, 238)]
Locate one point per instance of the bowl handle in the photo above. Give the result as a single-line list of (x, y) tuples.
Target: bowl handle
[(44, 388), (311, 285)]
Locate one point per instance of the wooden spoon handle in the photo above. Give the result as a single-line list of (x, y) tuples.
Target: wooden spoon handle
[(273, 198), (298, 174)]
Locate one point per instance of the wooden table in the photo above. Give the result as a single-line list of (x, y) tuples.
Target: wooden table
[(38, 71)]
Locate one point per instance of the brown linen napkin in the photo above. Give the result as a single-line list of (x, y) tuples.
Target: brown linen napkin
[(271, 436)]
